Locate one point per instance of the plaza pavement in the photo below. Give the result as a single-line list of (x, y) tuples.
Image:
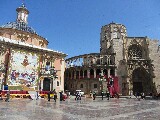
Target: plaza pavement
[(86, 109)]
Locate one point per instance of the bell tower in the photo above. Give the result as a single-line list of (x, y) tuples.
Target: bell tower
[(110, 34), (22, 14)]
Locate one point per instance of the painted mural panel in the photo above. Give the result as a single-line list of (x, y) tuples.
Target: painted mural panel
[(23, 68)]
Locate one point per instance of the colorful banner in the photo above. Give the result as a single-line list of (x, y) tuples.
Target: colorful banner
[(23, 68)]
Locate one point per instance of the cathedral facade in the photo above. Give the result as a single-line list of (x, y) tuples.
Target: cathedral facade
[(133, 60), (25, 61)]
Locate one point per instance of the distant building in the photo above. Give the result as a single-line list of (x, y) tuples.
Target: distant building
[(134, 60), (25, 61)]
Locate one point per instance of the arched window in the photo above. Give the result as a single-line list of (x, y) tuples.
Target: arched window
[(112, 72), (98, 71), (81, 74), (77, 74), (81, 86), (57, 83), (85, 74), (91, 73), (135, 52), (105, 72)]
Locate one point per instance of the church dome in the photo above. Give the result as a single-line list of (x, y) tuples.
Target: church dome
[(21, 22)]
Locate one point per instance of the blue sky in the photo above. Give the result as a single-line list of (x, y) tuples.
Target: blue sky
[(73, 26)]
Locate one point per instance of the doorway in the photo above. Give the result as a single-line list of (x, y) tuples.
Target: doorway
[(46, 84), (141, 81), (137, 87)]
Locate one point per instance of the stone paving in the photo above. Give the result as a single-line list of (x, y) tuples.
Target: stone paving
[(86, 109)]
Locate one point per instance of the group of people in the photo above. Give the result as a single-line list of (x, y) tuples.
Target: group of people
[(52, 92), (102, 94), (78, 96)]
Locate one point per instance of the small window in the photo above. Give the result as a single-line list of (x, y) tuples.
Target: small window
[(57, 83), (81, 86), (71, 85), (95, 85)]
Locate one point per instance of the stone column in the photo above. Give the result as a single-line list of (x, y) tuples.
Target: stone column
[(115, 71), (83, 73), (75, 74), (109, 72), (88, 73), (94, 73)]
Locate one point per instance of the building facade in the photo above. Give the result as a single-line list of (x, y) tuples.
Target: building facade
[(134, 60), (25, 61)]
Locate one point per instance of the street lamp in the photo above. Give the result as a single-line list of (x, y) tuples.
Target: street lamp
[(102, 79), (53, 76)]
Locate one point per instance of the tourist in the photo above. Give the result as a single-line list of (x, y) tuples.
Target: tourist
[(90, 93), (37, 95), (143, 95), (76, 95), (102, 94), (61, 96), (49, 95), (8, 96), (94, 95), (55, 95), (151, 95), (108, 95)]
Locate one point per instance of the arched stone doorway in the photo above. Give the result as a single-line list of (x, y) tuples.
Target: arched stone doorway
[(141, 81)]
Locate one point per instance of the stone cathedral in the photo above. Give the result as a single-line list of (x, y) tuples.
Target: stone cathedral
[(134, 60)]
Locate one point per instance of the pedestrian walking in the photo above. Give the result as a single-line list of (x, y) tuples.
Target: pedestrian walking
[(94, 95), (151, 95), (77, 96), (143, 95), (55, 96), (61, 96), (8, 96), (90, 93), (102, 94), (108, 95), (37, 95), (49, 95)]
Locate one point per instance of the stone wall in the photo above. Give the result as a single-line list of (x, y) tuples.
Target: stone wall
[(154, 54)]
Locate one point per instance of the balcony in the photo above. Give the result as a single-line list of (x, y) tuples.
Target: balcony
[(47, 72)]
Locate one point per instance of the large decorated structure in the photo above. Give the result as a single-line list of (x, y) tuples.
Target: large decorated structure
[(25, 61), (132, 62)]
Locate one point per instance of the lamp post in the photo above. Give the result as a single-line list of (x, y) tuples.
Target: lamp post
[(53, 76), (102, 79)]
